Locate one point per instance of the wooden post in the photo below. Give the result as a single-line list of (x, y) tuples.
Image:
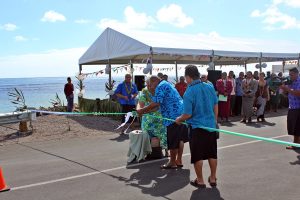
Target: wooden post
[(176, 72)]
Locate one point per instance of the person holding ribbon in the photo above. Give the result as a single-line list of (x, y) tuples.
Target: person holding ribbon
[(126, 93), (200, 104), (153, 122), (171, 105), (293, 117)]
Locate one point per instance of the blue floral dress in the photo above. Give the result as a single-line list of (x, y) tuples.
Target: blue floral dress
[(153, 125)]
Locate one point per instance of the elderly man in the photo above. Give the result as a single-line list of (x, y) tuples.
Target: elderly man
[(181, 86), (171, 105), (249, 89), (293, 118), (200, 110), (126, 93)]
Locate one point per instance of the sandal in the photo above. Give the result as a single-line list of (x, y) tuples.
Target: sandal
[(197, 185), (211, 183), (167, 166)]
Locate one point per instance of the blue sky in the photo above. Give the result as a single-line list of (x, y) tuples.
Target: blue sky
[(46, 38)]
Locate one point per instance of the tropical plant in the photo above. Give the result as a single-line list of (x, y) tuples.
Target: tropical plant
[(56, 102), (18, 99), (110, 85)]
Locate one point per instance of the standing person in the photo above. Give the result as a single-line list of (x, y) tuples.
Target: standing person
[(239, 93), (249, 89), (293, 117), (165, 77), (205, 80), (231, 77), (160, 75), (200, 110), (181, 86), (69, 92), (261, 97), (224, 87), (256, 75), (126, 93), (152, 125), (274, 84), (171, 106)]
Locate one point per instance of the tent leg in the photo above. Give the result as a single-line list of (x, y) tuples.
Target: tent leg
[(245, 65), (176, 71)]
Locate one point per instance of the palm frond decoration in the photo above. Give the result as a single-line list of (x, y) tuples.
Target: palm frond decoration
[(17, 98)]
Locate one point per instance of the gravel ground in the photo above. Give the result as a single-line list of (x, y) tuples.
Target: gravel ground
[(51, 127)]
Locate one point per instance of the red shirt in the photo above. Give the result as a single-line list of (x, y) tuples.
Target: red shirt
[(69, 88), (181, 87)]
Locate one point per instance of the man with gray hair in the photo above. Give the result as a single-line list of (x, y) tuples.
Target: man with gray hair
[(171, 105)]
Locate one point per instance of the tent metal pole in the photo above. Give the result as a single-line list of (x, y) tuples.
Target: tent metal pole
[(260, 58), (131, 69), (80, 69), (176, 71), (298, 60), (283, 66), (109, 74), (245, 65)]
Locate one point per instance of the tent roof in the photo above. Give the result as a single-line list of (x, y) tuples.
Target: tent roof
[(114, 46), (117, 48)]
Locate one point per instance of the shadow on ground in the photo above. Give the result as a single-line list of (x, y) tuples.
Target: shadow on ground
[(207, 194), (14, 136), (151, 180)]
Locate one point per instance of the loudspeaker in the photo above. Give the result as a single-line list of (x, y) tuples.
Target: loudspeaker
[(213, 76), (139, 80)]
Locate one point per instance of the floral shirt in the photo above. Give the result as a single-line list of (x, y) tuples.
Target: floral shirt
[(171, 104), (294, 101)]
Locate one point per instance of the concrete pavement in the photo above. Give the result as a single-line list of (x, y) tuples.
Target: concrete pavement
[(95, 168)]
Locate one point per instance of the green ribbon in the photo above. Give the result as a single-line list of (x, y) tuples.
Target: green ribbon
[(241, 134), (206, 128)]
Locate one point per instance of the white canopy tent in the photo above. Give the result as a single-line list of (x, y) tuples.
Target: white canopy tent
[(113, 47)]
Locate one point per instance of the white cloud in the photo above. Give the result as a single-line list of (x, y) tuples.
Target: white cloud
[(52, 16), (275, 19), (9, 27), (82, 21), (174, 15), (133, 20), (290, 3), (20, 38)]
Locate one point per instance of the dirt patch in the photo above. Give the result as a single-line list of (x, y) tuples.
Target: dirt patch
[(51, 127)]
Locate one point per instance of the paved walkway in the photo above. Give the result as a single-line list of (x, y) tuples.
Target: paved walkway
[(95, 168)]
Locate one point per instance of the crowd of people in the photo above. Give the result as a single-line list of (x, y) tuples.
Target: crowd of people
[(198, 103)]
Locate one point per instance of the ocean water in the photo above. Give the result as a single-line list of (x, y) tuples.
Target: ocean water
[(39, 91)]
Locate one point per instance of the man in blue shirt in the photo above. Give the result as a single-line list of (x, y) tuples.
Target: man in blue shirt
[(239, 93), (171, 106), (126, 93), (293, 118), (200, 111)]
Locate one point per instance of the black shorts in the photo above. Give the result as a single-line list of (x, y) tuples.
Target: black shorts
[(293, 122), (203, 145), (175, 134)]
